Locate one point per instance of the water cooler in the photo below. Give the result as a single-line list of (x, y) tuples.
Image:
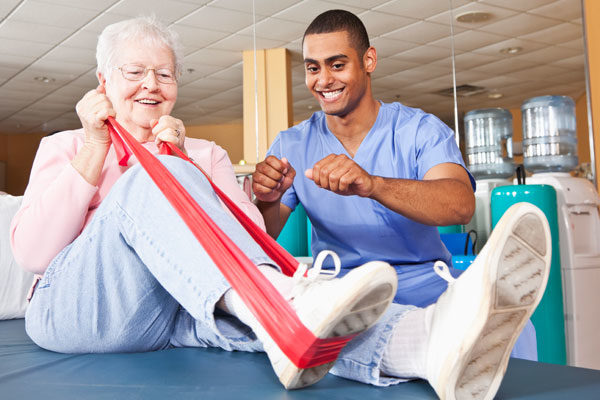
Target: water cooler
[(488, 141), (548, 317), (550, 152)]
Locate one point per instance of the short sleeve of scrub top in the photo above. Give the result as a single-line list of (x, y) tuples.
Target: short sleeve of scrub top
[(433, 149)]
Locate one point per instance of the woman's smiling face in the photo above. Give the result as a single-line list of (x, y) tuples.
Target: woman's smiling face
[(137, 103)]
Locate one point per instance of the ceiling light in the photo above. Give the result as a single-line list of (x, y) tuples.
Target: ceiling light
[(495, 95), (44, 79), (462, 91), (473, 16), (511, 50)]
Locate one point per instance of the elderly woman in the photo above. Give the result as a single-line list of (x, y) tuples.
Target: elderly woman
[(121, 271)]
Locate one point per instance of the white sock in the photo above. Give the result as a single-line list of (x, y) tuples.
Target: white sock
[(283, 283), (233, 304), (406, 352)]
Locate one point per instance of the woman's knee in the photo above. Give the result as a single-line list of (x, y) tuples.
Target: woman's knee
[(137, 182), (186, 173)]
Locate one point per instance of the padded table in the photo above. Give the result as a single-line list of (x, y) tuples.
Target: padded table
[(29, 372)]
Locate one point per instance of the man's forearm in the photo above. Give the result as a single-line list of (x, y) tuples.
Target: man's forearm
[(436, 202), (272, 216)]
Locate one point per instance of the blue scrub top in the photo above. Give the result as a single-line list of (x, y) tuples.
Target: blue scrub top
[(403, 143)]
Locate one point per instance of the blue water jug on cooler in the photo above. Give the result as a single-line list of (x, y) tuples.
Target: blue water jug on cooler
[(488, 143), (548, 318)]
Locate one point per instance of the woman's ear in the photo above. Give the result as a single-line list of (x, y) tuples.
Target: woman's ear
[(101, 78)]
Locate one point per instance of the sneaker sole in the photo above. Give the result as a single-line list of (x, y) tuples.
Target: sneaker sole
[(518, 284), (373, 287)]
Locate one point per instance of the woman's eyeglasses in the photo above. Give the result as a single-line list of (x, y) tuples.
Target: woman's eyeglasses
[(134, 72)]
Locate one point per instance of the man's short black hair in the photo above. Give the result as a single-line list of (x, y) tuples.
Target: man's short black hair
[(338, 21)]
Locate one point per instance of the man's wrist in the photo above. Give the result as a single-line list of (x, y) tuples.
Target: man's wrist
[(261, 204), (378, 187)]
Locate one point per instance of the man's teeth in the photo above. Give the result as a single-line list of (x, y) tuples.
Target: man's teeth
[(147, 101), (329, 95)]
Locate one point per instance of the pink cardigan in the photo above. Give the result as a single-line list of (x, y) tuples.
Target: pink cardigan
[(58, 203)]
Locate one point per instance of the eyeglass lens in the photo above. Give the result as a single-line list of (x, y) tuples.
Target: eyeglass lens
[(135, 72)]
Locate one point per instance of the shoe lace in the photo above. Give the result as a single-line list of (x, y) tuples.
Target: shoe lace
[(305, 277), (441, 268)]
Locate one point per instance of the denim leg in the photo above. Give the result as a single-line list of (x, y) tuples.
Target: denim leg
[(361, 359), (120, 285)]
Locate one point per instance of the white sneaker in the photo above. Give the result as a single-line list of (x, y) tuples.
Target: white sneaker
[(478, 319), (331, 308)]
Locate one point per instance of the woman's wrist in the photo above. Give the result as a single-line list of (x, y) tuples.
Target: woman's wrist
[(89, 161), (96, 145)]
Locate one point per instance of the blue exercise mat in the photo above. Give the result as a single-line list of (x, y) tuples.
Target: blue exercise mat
[(28, 372)]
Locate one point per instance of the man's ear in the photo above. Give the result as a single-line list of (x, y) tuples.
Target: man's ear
[(370, 59)]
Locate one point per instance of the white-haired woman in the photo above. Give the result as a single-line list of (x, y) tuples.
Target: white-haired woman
[(119, 270)]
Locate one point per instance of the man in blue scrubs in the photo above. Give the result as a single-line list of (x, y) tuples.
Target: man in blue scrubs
[(376, 179)]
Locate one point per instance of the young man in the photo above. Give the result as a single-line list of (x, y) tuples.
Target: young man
[(375, 179)]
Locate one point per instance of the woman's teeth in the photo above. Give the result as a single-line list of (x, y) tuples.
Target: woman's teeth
[(147, 101)]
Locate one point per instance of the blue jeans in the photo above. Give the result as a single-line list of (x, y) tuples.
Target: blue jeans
[(136, 279)]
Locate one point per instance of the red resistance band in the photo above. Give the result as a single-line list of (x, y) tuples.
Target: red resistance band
[(271, 310)]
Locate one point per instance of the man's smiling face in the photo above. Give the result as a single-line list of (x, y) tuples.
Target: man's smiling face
[(335, 72)]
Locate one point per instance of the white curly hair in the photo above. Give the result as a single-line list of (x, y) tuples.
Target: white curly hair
[(147, 30)]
